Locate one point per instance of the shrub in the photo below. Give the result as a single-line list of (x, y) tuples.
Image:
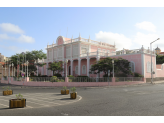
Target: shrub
[(137, 75), (121, 75), (105, 75), (58, 75), (55, 79), (73, 89), (82, 76), (70, 76), (44, 76)]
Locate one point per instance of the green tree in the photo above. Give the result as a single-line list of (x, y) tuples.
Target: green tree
[(120, 66), (31, 57), (159, 59), (56, 67)]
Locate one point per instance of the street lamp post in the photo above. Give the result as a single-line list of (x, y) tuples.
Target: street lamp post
[(17, 66), (66, 61), (113, 67), (22, 61), (151, 60)]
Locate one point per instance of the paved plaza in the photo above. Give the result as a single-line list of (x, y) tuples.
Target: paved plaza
[(135, 100)]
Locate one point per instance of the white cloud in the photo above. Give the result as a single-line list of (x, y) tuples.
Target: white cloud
[(8, 27), (120, 40), (27, 39), (22, 38), (145, 25), (146, 39), (4, 36)]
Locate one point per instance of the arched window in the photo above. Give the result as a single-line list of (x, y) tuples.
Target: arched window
[(84, 69), (132, 66), (76, 70)]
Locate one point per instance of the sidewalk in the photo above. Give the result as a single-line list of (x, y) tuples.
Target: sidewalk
[(156, 82)]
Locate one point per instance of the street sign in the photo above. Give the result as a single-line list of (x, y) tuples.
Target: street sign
[(22, 74)]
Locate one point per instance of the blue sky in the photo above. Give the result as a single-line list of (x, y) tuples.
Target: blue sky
[(26, 29)]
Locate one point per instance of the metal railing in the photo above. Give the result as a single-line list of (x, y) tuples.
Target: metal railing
[(87, 79), (18, 78), (36, 79), (46, 79), (128, 79)]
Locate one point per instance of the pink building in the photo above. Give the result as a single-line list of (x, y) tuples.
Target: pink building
[(82, 53)]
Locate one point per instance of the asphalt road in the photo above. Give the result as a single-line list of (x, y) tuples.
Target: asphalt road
[(138, 100)]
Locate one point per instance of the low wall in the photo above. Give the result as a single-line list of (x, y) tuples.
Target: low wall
[(73, 84), (59, 84), (126, 83), (155, 79)]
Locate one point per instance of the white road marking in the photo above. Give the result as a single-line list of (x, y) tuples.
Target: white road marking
[(4, 105), (41, 97), (44, 101), (36, 103)]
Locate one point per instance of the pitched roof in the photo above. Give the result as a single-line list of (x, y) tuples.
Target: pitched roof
[(157, 48), (161, 53), (2, 63)]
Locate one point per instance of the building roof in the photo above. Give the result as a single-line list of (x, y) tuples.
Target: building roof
[(157, 48), (2, 63), (161, 53)]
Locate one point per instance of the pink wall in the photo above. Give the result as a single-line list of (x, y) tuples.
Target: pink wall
[(136, 58), (60, 41), (72, 84), (148, 58), (95, 48)]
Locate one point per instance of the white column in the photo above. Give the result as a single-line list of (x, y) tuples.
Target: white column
[(79, 66), (88, 66), (98, 58), (42, 67), (47, 69), (63, 51), (79, 49), (72, 67), (88, 63), (47, 61), (71, 50), (63, 67)]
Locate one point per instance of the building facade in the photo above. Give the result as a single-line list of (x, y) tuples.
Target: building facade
[(82, 53)]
